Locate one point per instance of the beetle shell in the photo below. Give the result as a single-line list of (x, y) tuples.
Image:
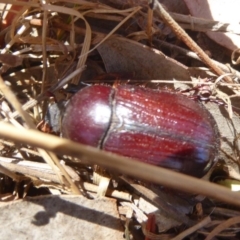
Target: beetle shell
[(157, 127)]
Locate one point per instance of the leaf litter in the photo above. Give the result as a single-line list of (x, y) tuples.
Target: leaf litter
[(50, 50)]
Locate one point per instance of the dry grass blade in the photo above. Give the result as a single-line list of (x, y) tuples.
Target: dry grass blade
[(35, 170), (120, 164), (87, 38), (30, 172), (44, 51), (55, 87), (50, 158), (223, 212), (223, 226), (9, 95), (23, 28), (9, 173), (134, 10), (194, 228), (110, 192)]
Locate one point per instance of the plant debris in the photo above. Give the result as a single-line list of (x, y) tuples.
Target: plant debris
[(49, 50)]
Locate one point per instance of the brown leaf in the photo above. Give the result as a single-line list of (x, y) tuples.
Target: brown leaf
[(126, 56)]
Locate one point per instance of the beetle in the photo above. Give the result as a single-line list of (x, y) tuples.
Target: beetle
[(158, 127)]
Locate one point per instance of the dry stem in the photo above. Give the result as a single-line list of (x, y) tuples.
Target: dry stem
[(188, 41), (120, 164)]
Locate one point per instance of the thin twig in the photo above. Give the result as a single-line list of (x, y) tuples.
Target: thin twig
[(225, 68), (181, 34)]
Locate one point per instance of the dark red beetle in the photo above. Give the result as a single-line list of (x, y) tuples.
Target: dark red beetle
[(154, 126)]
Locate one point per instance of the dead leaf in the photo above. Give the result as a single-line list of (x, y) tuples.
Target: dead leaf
[(126, 56)]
